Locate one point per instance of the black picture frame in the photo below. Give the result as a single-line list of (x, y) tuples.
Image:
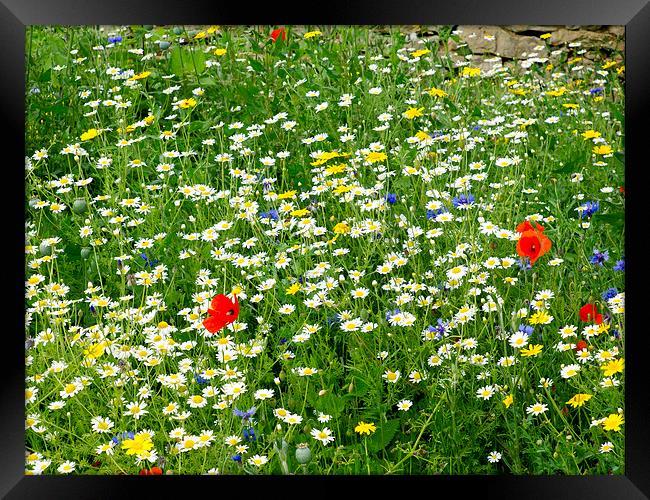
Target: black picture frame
[(16, 15)]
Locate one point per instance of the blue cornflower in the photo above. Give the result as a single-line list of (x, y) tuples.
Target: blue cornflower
[(596, 90), (391, 198), (598, 258), (245, 415), (390, 314), (589, 208), (249, 434), (431, 214), (114, 39), (620, 265), (201, 380), (526, 329), (609, 293), (283, 341), (440, 328), (147, 261), (333, 320), (122, 436), (271, 214), (236, 458), (525, 264), (463, 201)]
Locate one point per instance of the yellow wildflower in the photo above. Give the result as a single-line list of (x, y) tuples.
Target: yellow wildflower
[(364, 428), (579, 400), (90, 134), (613, 422), (612, 367), (413, 112)]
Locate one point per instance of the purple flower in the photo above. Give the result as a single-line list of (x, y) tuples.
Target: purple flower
[(589, 209), (440, 328), (598, 258), (620, 265)]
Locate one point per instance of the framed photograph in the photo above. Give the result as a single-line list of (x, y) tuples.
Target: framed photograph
[(382, 244)]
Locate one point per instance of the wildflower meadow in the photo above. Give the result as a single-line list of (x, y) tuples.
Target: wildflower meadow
[(334, 250)]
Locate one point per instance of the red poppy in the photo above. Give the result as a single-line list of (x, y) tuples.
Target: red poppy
[(582, 344), (276, 33), (154, 471), (222, 312), (527, 226), (589, 314), (532, 242)]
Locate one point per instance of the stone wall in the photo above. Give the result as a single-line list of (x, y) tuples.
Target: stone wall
[(488, 47), (513, 41)]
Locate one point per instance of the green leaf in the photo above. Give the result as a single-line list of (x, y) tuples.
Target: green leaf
[(256, 65), (197, 125), (187, 61), (45, 76), (383, 435), (615, 220), (207, 82), (330, 404), (620, 157), (360, 388)]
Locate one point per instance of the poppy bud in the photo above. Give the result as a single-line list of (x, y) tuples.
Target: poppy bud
[(79, 206), (45, 249), (85, 252), (303, 454), (163, 45)]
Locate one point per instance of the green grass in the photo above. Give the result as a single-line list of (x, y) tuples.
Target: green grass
[(550, 171)]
